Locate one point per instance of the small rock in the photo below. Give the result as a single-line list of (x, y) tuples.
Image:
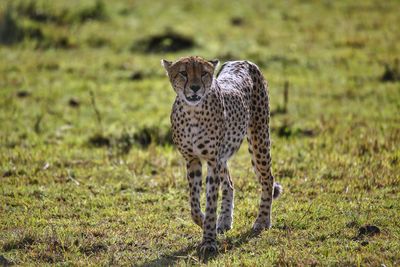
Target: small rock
[(368, 230), (46, 166), (99, 140), (392, 72), (164, 43), (136, 76), (73, 102), (8, 173), (23, 94), (237, 21)]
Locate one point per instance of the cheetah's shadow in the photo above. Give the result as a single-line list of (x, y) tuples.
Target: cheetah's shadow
[(190, 254)]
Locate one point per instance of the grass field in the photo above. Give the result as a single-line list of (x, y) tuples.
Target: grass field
[(88, 174)]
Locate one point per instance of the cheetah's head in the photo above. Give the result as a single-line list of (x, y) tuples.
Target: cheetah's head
[(191, 77)]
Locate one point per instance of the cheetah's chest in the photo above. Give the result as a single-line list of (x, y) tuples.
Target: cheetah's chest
[(195, 133), (200, 137)]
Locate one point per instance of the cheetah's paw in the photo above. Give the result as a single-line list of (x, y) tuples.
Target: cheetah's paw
[(207, 247), (224, 224), (260, 226)]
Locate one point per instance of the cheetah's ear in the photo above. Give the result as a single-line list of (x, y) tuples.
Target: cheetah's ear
[(214, 62), (166, 64)]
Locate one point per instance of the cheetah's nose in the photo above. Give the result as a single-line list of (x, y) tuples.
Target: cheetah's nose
[(195, 88)]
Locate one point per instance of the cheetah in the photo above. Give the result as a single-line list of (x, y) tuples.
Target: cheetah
[(210, 117)]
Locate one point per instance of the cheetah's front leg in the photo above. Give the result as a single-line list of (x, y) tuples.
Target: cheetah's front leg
[(225, 218), (194, 180), (209, 243)]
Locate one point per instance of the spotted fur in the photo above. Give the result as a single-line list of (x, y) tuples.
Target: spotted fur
[(210, 118)]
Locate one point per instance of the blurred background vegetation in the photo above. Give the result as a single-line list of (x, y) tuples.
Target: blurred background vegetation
[(85, 145), (65, 49)]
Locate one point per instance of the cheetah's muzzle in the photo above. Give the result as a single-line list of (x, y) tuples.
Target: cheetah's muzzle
[(193, 98)]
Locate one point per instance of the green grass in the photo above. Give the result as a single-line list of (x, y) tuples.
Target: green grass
[(66, 79)]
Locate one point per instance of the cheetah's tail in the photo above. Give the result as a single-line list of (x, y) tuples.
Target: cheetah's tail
[(278, 189)]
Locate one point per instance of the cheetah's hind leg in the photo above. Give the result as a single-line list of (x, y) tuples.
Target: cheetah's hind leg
[(261, 160)]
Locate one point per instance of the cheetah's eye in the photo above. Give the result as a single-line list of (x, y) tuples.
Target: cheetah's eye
[(204, 73), (183, 73)]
